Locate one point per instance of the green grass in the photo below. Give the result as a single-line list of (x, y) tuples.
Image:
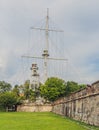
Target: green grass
[(38, 121)]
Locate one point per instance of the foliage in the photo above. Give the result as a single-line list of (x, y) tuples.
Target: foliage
[(8, 96), (8, 99), (82, 86), (16, 90), (4, 87), (73, 86), (26, 89), (28, 94), (53, 88)]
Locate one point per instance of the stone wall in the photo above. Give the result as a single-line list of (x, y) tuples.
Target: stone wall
[(31, 107), (82, 105)]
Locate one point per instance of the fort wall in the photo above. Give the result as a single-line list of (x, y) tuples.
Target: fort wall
[(31, 107), (82, 105)]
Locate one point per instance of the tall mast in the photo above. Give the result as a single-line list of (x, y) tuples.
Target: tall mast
[(45, 52), (47, 29), (45, 55)]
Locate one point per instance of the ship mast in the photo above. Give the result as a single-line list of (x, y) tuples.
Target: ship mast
[(47, 29), (46, 52), (45, 55)]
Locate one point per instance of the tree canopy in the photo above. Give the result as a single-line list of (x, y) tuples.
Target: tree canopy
[(4, 86), (53, 88), (8, 96), (8, 99), (28, 94)]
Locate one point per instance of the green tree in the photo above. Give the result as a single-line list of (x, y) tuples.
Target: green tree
[(26, 89), (72, 87), (8, 99), (82, 86), (4, 87), (53, 88), (16, 90), (28, 93)]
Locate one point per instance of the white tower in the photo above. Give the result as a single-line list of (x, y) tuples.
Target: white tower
[(34, 82)]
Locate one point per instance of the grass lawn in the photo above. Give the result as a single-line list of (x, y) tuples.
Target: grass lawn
[(38, 121)]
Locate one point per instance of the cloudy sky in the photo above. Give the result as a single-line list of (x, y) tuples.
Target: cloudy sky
[(78, 19)]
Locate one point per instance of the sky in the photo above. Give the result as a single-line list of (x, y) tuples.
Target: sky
[(78, 19)]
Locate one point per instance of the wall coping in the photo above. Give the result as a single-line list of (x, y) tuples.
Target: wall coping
[(95, 82)]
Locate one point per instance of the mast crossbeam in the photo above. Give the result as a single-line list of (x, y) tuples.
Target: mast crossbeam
[(36, 57), (44, 29)]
